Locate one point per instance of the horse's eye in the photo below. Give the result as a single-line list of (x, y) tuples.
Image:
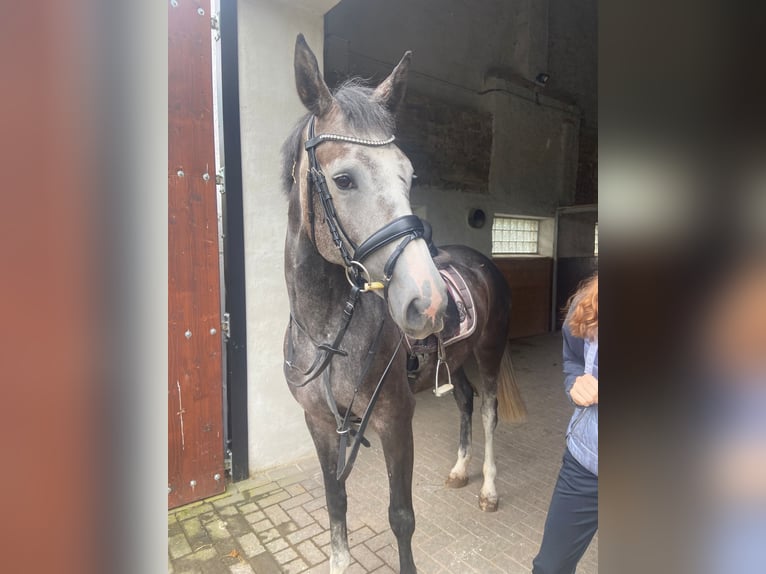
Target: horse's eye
[(343, 181)]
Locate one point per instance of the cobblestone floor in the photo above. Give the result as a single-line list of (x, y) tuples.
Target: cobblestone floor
[(276, 521)]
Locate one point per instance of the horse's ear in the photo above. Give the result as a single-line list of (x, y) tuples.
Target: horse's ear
[(312, 89), (391, 91)]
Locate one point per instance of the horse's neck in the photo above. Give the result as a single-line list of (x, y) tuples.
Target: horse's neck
[(316, 288)]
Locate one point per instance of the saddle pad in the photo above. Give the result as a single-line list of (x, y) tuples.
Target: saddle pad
[(460, 320)]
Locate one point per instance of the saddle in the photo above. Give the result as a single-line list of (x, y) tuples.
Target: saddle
[(460, 318)]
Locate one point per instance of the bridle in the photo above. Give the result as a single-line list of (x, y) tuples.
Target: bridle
[(406, 228)]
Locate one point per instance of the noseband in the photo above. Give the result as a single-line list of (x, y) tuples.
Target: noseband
[(407, 227)]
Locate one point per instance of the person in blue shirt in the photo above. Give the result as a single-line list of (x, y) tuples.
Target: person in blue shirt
[(572, 518)]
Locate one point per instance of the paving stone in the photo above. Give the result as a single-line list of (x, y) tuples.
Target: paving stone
[(241, 568), (247, 508), (237, 525), (256, 516), (296, 500), (285, 556), (294, 567), (321, 517), (390, 555), (269, 536), (290, 480), (194, 510), (250, 544), (301, 517), (316, 504), (279, 496), (310, 552), (178, 546), (366, 557), (276, 514), (198, 562), (228, 511), (304, 533), (263, 526), (217, 530), (287, 528), (385, 569), (380, 540), (359, 536), (193, 528), (322, 539), (265, 563), (228, 500), (276, 545), (296, 489), (356, 568), (252, 482), (263, 489), (227, 550)]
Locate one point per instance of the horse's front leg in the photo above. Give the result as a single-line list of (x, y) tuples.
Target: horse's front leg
[(395, 432), (488, 494), (327, 443), (458, 476)]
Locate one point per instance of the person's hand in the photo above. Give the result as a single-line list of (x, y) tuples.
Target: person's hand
[(584, 392)]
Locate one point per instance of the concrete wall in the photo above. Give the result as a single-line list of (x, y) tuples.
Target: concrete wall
[(269, 108)]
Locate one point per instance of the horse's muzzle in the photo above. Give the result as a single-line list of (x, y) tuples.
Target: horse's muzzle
[(417, 296)]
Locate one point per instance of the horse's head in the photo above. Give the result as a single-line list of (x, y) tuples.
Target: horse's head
[(353, 187)]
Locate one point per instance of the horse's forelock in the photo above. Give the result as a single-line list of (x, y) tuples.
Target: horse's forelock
[(364, 116)]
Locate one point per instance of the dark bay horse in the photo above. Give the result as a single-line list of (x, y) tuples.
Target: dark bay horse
[(362, 285)]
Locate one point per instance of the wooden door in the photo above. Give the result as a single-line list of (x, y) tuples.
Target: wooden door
[(530, 281), (195, 385)]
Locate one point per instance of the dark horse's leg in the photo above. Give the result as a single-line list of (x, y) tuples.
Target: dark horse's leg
[(394, 428), (326, 440), (488, 494), (458, 476)]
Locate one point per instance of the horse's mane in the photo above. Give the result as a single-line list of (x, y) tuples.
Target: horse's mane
[(363, 114)]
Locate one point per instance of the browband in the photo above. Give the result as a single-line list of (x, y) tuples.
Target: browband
[(315, 141)]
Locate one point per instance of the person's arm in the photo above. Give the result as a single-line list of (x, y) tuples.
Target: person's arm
[(581, 388), (574, 359)]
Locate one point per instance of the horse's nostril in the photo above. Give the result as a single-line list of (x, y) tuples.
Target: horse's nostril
[(415, 311), (421, 314)]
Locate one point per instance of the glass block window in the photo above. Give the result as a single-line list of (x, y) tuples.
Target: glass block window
[(514, 235), (595, 240)]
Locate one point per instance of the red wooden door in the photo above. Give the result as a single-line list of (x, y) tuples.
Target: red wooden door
[(195, 401)]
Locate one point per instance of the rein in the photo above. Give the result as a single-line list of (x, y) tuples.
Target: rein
[(406, 228)]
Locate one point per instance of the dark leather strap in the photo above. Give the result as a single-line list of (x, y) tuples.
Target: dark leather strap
[(400, 227)]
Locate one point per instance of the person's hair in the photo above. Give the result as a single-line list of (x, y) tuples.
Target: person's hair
[(582, 309)]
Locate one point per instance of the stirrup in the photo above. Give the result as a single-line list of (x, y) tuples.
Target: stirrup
[(442, 390)]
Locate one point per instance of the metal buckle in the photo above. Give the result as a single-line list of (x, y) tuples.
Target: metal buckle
[(368, 284)]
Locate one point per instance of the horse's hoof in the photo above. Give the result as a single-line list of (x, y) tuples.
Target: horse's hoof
[(487, 504), (456, 481)]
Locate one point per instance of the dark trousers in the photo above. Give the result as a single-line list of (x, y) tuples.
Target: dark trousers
[(572, 519)]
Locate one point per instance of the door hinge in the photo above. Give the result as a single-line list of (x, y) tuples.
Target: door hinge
[(215, 24), (226, 326)]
